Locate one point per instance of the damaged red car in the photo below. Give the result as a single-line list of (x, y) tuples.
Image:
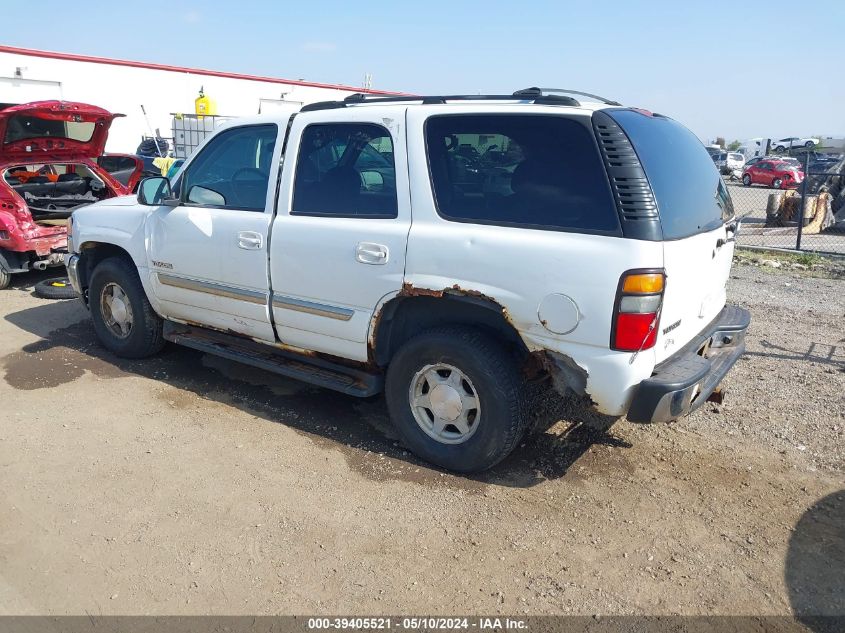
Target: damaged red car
[(48, 167)]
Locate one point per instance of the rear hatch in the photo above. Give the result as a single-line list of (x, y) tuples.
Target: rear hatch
[(697, 221), (53, 131)]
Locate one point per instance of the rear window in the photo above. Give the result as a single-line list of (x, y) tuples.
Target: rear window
[(21, 128), (533, 171), (691, 196)]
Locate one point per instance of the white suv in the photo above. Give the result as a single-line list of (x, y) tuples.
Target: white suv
[(446, 250)]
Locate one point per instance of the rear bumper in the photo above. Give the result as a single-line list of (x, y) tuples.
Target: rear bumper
[(683, 382)]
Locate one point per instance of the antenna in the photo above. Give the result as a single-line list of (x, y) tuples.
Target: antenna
[(368, 81)]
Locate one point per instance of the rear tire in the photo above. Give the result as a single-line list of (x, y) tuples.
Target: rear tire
[(124, 320), (5, 278), (57, 288), (470, 371)]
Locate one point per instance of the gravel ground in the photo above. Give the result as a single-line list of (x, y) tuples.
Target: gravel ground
[(187, 484)]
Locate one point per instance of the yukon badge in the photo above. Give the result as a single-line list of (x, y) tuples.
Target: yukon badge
[(166, 265), (669, 328)]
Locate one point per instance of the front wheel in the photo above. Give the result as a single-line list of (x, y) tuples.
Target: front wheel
[(5, 278), (457, 398), (746, 180), (809, 144), (777, 183), (124, 321)]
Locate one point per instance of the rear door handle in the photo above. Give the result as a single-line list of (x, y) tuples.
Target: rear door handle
[(250, 240), (371, 253)]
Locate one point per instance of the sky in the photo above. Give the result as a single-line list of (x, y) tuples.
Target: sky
[(736, 69)]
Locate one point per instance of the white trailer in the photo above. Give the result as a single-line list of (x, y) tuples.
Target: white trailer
[(754, 147)]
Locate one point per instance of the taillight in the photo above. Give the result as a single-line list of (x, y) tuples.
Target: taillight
[(637, 310)]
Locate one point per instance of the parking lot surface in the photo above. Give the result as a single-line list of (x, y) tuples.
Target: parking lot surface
[(189, 484)]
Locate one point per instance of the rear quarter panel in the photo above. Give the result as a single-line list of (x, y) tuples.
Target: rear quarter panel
[(518, 268)]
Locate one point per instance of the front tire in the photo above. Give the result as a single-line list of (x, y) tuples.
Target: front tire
[(5, 278), (457, 398), (809, 144), (746, 180), (777, 183), (124, 321)]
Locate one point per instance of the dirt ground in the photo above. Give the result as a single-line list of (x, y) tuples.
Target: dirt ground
[(187, 484)]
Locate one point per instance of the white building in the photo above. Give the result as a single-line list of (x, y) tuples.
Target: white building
[(124, 86)]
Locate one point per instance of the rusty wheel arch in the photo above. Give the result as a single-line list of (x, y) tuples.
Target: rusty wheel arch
[(414, 309)]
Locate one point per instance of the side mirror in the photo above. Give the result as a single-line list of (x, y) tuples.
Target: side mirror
[(154, 191)]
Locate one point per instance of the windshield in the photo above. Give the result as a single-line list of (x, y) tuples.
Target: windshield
[(735, 156), (691, 196), (21, 127)]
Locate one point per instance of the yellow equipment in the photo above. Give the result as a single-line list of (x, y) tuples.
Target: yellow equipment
[(204, 105)]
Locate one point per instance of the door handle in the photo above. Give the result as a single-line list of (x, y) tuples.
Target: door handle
[(249, 240), (370, 253)]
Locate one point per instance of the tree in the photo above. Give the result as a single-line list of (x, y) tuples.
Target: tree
[(734, 145), (720, 141)]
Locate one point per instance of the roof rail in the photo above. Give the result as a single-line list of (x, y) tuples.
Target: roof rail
[(519, 95), (543, 92)]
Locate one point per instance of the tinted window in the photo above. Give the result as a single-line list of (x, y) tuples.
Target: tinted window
[(233, 170), (20, 127), (527, 170), (691, 197), (345, 169)]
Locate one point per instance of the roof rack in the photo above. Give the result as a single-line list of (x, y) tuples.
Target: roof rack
[(550, 92), (546, 96), (535, 95)]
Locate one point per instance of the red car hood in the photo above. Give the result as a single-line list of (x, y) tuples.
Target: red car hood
[(53, 130)]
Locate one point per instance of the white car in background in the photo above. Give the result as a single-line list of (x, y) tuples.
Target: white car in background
[(793, 141), (726, 162)]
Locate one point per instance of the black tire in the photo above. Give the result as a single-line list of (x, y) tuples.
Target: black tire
[(495, 376), (145, 336), (5, 278), (809, 144), (779, 149), (57, 288), (776, 183), (746, 180)]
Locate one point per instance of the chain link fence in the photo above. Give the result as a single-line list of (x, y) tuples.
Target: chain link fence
[(770, 216)]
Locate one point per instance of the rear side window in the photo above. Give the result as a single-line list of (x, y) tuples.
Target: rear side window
[(691, 196), (345, 170), (534, 171)]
